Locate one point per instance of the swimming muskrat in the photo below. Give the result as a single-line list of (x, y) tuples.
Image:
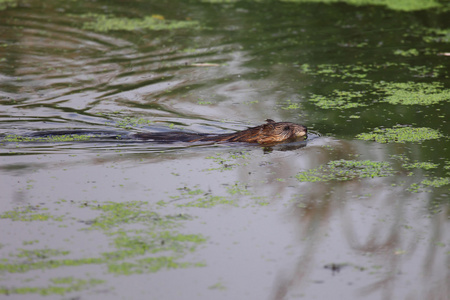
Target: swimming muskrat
[(269, 133)]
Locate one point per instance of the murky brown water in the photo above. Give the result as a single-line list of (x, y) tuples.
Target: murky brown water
[(116, 219)]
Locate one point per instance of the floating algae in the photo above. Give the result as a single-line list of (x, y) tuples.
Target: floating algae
[(343, 170), (400, 134)]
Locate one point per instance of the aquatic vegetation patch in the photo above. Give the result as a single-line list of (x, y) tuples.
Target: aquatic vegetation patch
[(131, 122), (209, 201), (436, 35), (402, 5), (49, 139), (447, 166), (118, 214), (426, 71), (436, 182), (4, 4), (407, 164), (420, 165), (202, 199), (400, 134), (356, 71), (40, 253), (22, 267), (289, 105), (59, 286), (426, 184), (149, 265), (339, 100), (413, 93), (29, 214), (133, 243), (238, 189), (141, 240), (150, 233), (407, 53), (104, 23), (342, 170), (227, 163)]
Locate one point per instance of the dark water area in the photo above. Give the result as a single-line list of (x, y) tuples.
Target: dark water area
[(360, 210)]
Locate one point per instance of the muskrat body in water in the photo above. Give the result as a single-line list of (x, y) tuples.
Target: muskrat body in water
[(269, 133)]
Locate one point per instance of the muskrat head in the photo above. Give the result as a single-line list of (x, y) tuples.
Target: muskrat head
[(276, 132)]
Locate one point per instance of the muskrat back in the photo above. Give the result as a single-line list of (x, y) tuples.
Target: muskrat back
[(269, 133)]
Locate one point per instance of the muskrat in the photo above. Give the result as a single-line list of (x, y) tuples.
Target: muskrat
[(269, 133)]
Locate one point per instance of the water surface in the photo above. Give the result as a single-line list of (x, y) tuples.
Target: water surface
[(340, 217)]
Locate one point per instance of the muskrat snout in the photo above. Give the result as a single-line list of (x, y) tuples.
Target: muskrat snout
[(301, 131)]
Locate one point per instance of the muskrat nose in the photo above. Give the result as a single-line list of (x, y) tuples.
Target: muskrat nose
[(302, 131)]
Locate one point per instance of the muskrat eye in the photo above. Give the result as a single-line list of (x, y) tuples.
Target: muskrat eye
[(287, 128)]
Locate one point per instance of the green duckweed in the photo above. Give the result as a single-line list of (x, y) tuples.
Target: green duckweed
[(428, 183), (104, 23), (339, 99), (407, 53), (411, 93), (58, 286), (49, 139), (403, 5), (400, 134), (7, 3), (342, 170)]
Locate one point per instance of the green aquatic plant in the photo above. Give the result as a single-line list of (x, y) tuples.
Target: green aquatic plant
[(426, 184), (238, 189), (49, 139), (131, 122), (436, 35), (148, 265), (407, 53), (401, 5), (342, 170), (420, 165), (400, 134), (227, 163), (59, 286), (413, 93), (436, 182), (355, 71), (36, 254), (141, 241), (289, 105), (29, 214), (103, 23), (202, 199), (447, 166), (414, 165), (209, 201), (8, 3), (117, 214), (339, 100)]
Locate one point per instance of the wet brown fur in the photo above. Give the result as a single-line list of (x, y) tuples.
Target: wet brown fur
[(270, 133)]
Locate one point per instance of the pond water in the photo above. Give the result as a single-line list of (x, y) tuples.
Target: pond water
[(359, 211)]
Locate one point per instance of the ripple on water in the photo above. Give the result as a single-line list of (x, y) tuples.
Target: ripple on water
[(57, 72)]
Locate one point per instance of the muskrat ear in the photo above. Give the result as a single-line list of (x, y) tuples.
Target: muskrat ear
[(268, 126), (270, 121)]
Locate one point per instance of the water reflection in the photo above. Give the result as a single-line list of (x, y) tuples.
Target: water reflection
[(247, 64), (368, 228)]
